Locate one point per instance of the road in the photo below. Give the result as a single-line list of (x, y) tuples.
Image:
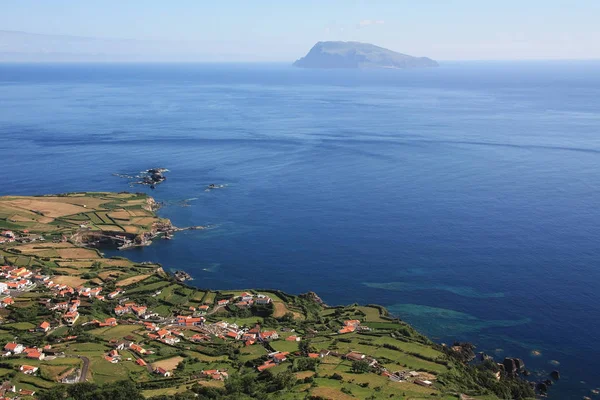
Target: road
[(84, 368)]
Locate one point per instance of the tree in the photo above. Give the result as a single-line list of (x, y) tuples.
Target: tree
[(305, 346), (360, 367)]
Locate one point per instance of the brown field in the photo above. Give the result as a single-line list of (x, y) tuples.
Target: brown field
[(75, 264), (72, 281), (304, 374), (111, 228), (131, 229), (20, 218), (120, 214), (47, 206), (76, 253), (330, 393), (169, 364), (105, 274), (50, 253), (139, 213), (45, 245), (281, 309), (117, 262), (143, 221), (55, 372), (80, 201), (133, 279)]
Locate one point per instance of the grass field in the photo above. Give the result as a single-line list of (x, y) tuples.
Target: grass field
[(20, 326), (116, 332)]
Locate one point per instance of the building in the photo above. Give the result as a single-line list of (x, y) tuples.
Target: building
[(14, 348), (28, 369), (262, 299), (71, 317), (44, 327), (354, 356), (162, 371), (35, 354), (269, 335), (189, 321)]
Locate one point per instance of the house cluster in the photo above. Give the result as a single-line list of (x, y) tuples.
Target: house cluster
[(7, 237), (107, 322), (32, 353), (114, 357), (21, 278), (133, 308), (22, 237), (274, 360), (15, 278), (166, 336), (352, 325), (200, 310), (246, 300), (225, 330), (215, 374), (8, 387), (407, 376)]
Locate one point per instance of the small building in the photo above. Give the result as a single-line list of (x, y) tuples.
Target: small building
[(44, 327), (354, 356), (14, 348), (266, 365), (71, 317), (162, 371), (269, 335), (423, 382), (35, 355), (28, 369)]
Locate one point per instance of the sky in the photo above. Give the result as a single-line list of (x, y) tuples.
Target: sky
[(284, 30)]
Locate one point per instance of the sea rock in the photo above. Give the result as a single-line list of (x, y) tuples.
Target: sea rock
[(313, 297), (555, 375), (541, 387), (513, 366)]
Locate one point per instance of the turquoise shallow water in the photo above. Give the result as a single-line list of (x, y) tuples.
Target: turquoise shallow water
[(464, 198)]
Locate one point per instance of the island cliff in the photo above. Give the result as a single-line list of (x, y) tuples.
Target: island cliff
[(359, 55)]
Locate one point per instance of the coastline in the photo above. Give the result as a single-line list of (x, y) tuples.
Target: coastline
[(274, 307)]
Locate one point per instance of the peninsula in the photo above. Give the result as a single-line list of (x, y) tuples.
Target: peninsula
[(359, 55), (74, 324)]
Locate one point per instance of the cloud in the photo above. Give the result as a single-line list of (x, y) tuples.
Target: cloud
[(367, 22)]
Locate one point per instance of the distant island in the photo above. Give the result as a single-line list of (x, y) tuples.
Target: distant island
[(359, 55)]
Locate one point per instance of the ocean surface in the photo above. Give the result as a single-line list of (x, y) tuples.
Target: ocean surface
[(464, 198)]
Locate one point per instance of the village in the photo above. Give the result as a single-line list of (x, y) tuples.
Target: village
[(69, 315), (191, 327)]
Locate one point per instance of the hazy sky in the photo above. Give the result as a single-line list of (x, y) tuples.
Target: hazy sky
[(284, 30)]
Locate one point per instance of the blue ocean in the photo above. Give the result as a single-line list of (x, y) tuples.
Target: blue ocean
[(465, 198)]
